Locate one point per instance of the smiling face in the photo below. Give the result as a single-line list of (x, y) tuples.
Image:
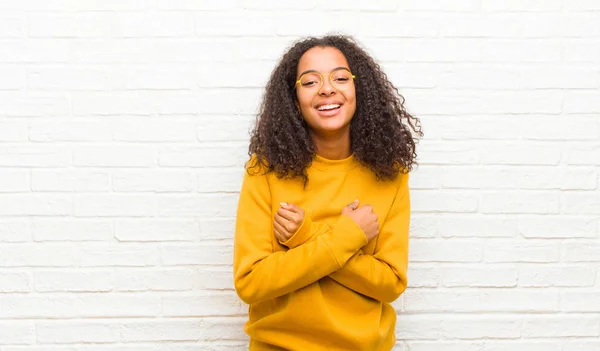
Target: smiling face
[(328, 108)]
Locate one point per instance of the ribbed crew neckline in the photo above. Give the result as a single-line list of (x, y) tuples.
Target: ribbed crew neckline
[(328, 165)]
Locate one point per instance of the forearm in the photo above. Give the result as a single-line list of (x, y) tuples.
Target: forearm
[(262, 276), (372, 277)]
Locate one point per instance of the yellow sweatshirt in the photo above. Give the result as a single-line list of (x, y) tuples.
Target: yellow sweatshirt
[(325, 288)]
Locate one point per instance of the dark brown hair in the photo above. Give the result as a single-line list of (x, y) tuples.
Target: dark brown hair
[(380, 130)]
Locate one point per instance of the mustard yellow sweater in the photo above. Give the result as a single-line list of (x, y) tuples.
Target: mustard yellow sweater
[(325, 288)]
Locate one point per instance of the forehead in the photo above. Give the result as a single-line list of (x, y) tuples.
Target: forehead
[(322, 59)]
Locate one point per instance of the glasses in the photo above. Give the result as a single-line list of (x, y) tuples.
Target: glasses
[(340, 79)]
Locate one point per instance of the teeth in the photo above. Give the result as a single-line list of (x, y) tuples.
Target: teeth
[(328, 107)]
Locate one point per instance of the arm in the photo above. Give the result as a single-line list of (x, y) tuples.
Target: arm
[(381, 276), (260, 273)]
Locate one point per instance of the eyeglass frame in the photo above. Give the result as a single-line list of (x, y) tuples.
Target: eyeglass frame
[(323, 78)]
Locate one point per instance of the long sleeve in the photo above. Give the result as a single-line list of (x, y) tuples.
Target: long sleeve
[(259, 272), (382, 275)]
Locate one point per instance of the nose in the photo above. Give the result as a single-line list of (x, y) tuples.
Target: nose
[(326, 88)]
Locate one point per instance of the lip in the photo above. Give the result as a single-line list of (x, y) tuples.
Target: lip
[(328, 103), (329, 113)]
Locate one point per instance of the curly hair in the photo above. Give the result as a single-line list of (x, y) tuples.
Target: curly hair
[(380, 130)]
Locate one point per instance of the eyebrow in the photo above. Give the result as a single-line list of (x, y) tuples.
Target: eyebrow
[(335, 69)]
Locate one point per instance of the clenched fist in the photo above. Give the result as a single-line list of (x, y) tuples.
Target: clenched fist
[(364, 217), (288, 220)]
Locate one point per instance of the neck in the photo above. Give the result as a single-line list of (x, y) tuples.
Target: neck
[(333, 147)]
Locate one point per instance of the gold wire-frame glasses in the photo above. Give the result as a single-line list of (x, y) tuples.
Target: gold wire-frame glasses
[(340, 79)]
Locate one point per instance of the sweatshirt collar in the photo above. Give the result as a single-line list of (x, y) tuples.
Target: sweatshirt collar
[(342, 165)]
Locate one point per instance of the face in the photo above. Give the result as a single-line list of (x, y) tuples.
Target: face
[(318, 105)]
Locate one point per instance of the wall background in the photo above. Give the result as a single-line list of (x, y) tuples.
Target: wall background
[(124, 127)]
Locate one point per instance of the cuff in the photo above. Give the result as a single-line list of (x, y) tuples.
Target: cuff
[(301, 235), (346, 239)]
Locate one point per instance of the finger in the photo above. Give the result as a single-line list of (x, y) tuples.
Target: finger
[(289, 215), (353, 205), (293, 208), (281, 221), (283, 233)]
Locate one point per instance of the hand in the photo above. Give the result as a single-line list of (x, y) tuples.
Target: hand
[(288, 220), (364, 217)]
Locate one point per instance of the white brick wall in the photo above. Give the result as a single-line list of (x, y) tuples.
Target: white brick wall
[(124, 126)]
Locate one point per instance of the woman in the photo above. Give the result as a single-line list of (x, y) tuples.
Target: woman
[(321, 241)]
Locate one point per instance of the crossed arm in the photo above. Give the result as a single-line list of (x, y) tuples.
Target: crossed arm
[(317, 250)]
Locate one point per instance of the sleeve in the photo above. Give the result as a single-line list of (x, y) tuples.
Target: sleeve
[(261, 274), (382, 276)]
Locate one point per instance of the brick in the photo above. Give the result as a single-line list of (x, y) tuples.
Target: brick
[(521, 6), (195, 5), (159, 181), (220, 180), (519, 202), (575, 301), (160, 230), (68, 78), (435, 153), (423, 226), (476, 327), (428, 250), (387, 26), (521, 301), (580, 203), (155, 280), (172, 24), (560, 326), (200, 156), (11, 282), (79, 306), (584, 154), (115, 156), (104, 255), (427, 300), (461, 276), (13, 78), (499, 251), (70, 180), (206, 304), (61, 332), (35, 156), (81, 130), (26, 255), (515, 51), (17, 333), (435, 201), (521, 153), (58, 229), (204, 254), (558, 227), (14, 181), (217, 229), (477, 226), (522, 345), (73, 25), (556, 276), (15, 231), (445, 346), (582, 251), (115, 205), (35, 205), (209, 205), (235, 23), (73, 281), (210, 128)]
